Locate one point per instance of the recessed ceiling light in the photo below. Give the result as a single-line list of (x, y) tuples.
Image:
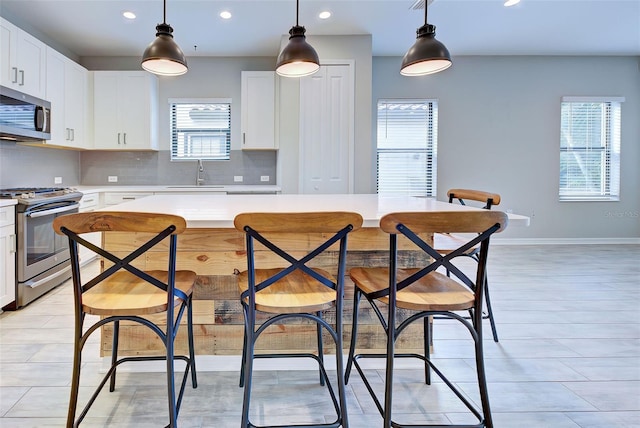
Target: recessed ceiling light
[(129, 15), (511, 2), (225, 14), (324, 14)]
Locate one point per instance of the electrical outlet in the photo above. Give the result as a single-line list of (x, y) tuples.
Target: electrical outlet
[(264, 178), (112, 179), (237, 178), (57, 180)]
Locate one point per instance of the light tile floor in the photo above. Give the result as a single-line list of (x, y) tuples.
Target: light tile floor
[(569, 356)]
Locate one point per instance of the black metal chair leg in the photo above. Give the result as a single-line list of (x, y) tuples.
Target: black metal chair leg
[(354, 333), (114, 354), (494, 331), (75, 381), (171, 390), (192, 359), (320, 347), (482, 383), (427, 350), (244, 350)]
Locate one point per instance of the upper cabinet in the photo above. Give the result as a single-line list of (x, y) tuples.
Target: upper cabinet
[(125, 110), (258, 110), (22, 60), (67, 90)]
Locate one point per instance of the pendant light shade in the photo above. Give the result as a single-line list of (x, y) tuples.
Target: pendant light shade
[(298, 58), (163, 56), (427, 55)]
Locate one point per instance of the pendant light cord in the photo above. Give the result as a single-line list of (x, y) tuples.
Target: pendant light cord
[(426, 4), (164, 16), (297, 11)]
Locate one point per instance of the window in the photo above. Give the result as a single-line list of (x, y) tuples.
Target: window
[(407, 147), (200, 129), (590, 149)]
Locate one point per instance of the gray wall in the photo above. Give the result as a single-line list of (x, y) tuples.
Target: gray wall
[(499, 130)]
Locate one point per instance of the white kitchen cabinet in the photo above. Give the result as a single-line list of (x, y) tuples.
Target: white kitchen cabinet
[(22, 60), (114, 198), (67, 90), (125, 115), (7, 256), (258, 110), (89, 202)]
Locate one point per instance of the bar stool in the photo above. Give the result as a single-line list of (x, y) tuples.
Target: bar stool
[(446, 242), (425, 292), (125, 292), (286, 286)]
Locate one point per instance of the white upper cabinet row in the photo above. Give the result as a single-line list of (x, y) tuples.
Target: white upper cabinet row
[(115, 110), (108, 110)]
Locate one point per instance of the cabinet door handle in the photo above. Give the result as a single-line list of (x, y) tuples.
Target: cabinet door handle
[(12, 243), (118, 138), (21, 78), (244, 138), (15, 75), (66, 131), (73, 134), (125, 138)]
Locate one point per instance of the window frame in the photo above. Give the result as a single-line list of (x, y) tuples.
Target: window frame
[(188, 133), (608, 151)]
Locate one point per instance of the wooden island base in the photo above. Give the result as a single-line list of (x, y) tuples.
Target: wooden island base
[(215, 254)]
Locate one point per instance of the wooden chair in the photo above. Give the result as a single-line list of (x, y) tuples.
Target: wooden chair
[(124, 292), (287, 286), (447, 242), (424, 292)]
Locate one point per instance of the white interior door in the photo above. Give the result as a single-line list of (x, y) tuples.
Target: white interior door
[(326, 130)]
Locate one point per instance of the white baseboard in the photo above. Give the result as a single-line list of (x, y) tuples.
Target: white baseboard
[(566, 241)]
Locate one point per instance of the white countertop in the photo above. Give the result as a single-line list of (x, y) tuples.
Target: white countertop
[(218, 211), (187, 188), (7, 202)]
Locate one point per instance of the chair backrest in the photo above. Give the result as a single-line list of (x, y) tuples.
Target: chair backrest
[(487, 198), (277, 232), (480, 225), (159, 226)]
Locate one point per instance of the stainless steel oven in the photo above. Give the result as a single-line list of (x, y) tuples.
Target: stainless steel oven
[(42, 257)]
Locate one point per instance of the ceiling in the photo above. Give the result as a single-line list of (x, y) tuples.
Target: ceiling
[(466, 27)]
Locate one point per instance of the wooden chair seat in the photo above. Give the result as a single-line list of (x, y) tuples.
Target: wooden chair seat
[(126, 294), (433, 292), (295, 293)]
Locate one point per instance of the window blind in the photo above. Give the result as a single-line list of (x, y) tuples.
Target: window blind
[(590, 149), (407, 146), (200, 130)]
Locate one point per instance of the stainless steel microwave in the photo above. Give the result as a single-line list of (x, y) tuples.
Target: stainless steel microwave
[(23, 117)]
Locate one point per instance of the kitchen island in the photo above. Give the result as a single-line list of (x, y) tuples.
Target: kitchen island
[(215, 251)]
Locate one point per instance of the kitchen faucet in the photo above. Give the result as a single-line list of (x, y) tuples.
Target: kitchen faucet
[(199, 179)]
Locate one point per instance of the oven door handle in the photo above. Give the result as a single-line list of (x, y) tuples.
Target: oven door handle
[(53, 211)]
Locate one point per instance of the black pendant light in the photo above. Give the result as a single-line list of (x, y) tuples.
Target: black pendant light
[(298, 58), (163, 56), (427, 55)]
